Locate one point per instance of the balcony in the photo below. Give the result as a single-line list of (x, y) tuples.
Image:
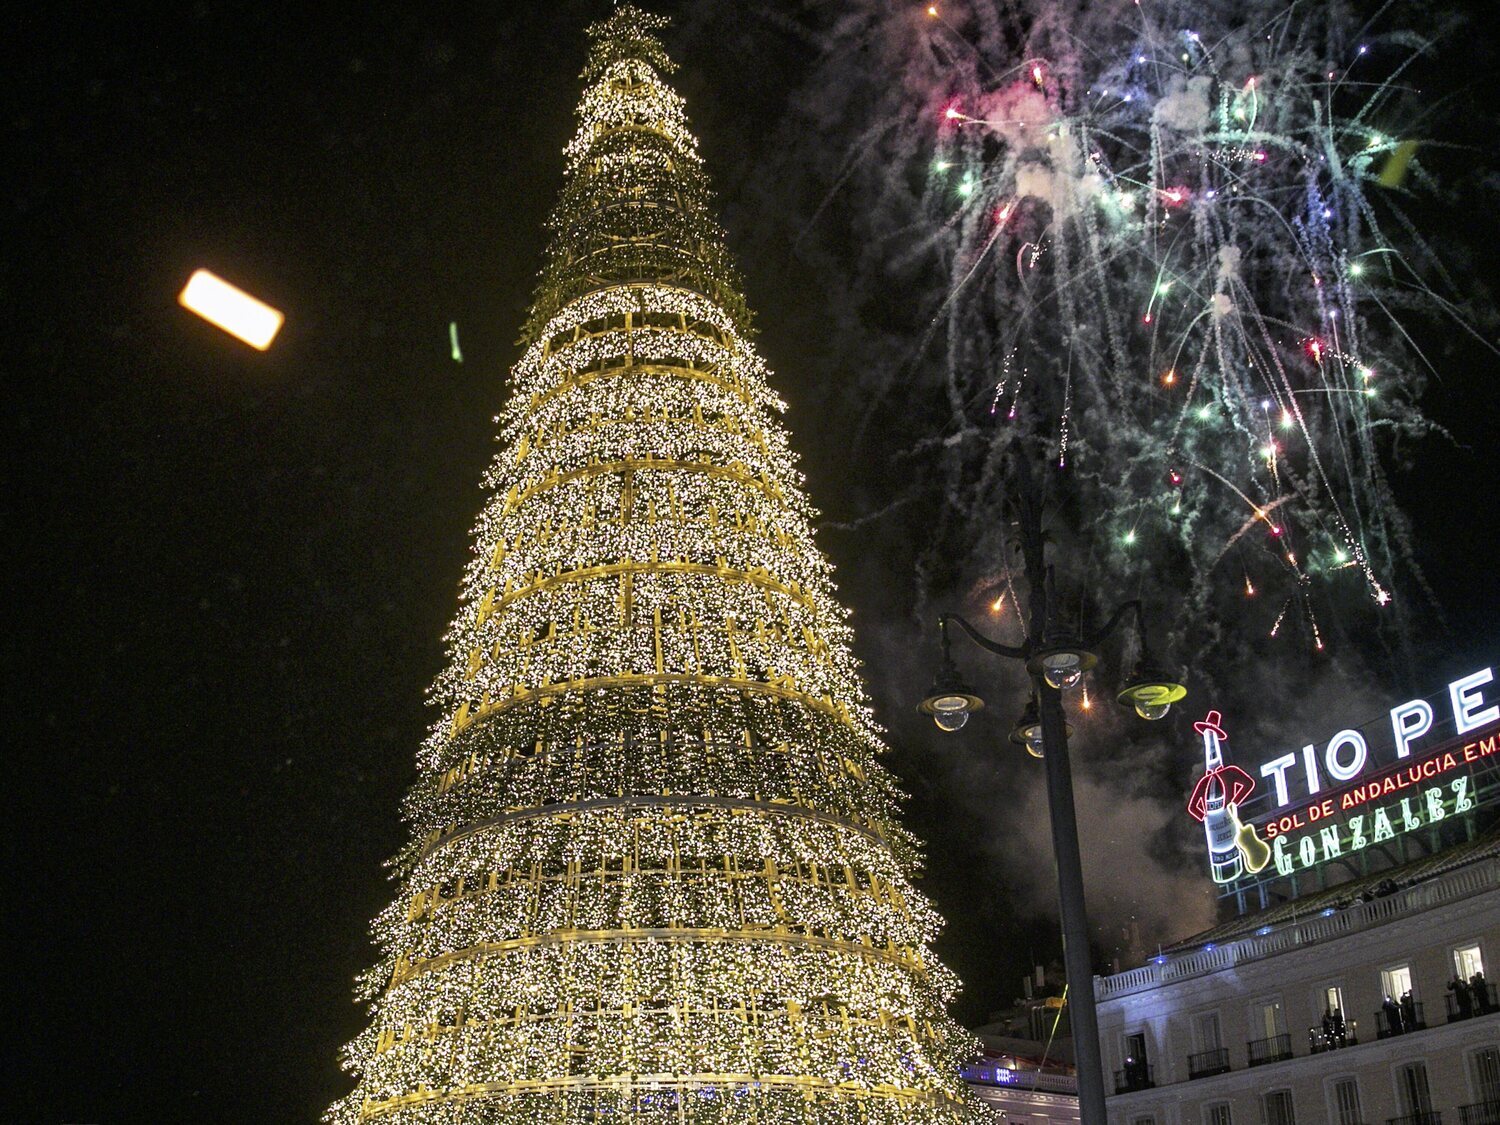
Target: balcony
[(993, 1074), (1274, 1049), (1455, 886), (1135, 1076), (1319, 1040), (1480, 1113), (1427, 1117), (1205, 1063), (1471, 1002), (1400, 1019)]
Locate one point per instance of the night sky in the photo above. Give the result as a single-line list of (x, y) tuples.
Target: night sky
[(232, 570)]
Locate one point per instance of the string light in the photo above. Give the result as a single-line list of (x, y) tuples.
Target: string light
[(651, 836)]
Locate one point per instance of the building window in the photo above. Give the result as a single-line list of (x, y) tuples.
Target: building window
[(1209, 1038), (1143, 1121), (1279, 1108), (1210, 1056), (1269, 1019), (1346, 1102), (1411, 1089), (1468, 993), (1333, 1000), (1216, 1114), (1400, 1010), (1135, 1074), (1467, 961), (1468, 968), (1396, 983), (1332, 1030), (1271, 1043), (1484, 1069), (1273, 1018)]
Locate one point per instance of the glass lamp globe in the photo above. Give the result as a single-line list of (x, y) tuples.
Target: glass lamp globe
[(1062, 663), (950, 701), (1062, 670), (950, 720), (1151, 711), (1027, 733)]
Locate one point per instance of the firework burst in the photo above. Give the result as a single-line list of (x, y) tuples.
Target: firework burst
[(1176, 262)]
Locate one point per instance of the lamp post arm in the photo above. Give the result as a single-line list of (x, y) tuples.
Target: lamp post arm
[(1114, 622), (1015, 653)]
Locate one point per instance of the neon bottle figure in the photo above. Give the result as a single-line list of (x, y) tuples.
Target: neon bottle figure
[(1218, 821), (1218, 826)]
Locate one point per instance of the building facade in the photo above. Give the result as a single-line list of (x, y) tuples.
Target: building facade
[(1024, 1088), (1344, 1007)]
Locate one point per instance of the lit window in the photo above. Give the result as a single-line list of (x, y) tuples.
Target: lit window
[(1467, 961), (1334, 1027), (1270, 1019), (1333, 1000), (1396, 982)]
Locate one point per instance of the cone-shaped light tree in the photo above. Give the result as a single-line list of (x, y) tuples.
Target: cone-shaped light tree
[(655, 873)]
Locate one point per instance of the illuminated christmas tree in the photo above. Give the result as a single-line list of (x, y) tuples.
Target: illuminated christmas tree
[(655, 873)]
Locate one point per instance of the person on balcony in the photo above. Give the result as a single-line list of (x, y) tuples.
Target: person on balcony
[(1392, 1012), (1463, 996)]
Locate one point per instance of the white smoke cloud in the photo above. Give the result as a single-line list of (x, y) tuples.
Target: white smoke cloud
[(1184, 107), (1064, 182), (1018, 112)]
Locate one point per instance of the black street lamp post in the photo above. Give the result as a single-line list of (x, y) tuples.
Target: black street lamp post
[(1056, 661)]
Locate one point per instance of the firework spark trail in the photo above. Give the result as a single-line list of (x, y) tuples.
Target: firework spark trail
[(1202, 218), (1194, 225)]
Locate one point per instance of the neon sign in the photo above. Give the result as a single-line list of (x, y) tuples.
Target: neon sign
[(1320, 806), (1435, 803), (1347, 754), (1233, 847), (1386, 784)]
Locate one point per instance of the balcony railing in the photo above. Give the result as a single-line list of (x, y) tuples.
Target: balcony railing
[(1427, 1117), (1400, 1019), (1135, 1076), (1455, 886), (1319, 1040), (1480, 1113), (1471, 1002), (993, 1074), (1274, 1049), (1205, 1063)]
